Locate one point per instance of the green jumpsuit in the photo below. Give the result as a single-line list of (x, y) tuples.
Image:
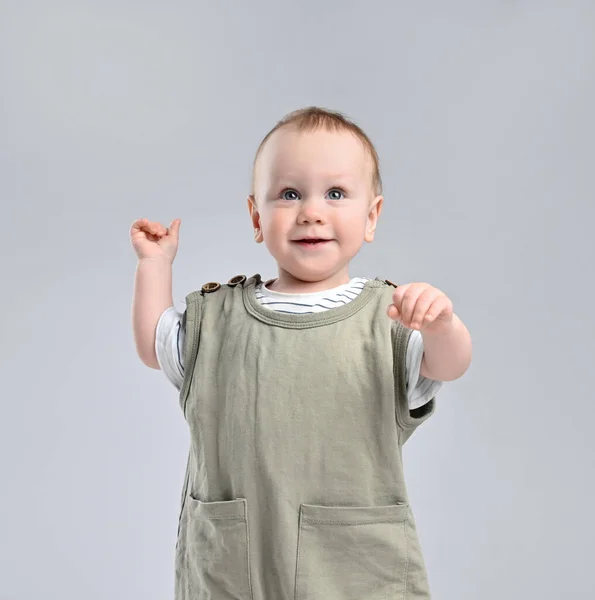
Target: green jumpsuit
[(294, 486)]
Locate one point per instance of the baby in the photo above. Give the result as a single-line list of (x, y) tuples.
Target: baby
[(300, 391)]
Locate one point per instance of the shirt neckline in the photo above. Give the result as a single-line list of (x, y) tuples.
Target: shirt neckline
[(331, 291), (305, 320)]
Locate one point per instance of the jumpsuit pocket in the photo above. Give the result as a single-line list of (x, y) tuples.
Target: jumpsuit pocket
[(217, 550), (352, 553)]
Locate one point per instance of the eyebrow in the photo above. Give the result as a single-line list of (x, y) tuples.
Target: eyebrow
[(333, 176), (346, 176)]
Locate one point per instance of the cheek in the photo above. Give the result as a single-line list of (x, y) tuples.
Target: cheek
[(277, 221), (354, 225), (274, 229)]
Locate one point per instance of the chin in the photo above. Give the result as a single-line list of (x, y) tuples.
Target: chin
[(310, 275)]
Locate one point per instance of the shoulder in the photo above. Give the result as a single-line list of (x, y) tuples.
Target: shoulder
[(385, 288), (379, 282), (218, 287), (214, 286)]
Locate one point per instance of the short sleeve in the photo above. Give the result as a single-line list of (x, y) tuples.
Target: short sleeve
[(420, 389), (408, 419), (169, 340)]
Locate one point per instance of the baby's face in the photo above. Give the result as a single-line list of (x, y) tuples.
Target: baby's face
[(314, 185)]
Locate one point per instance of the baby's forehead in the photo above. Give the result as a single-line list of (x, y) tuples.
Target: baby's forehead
[(347, 176), (329, 154), (291, 137)]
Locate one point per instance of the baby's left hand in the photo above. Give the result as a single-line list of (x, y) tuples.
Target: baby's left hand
[(421, 306)]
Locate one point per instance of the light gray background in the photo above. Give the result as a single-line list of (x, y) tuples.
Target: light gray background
[(482, 113)]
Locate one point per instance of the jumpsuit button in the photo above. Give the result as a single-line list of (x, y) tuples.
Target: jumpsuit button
[(390, 283), (236, 280), (212, 286)]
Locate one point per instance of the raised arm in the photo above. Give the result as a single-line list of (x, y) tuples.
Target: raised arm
[(156, 247)]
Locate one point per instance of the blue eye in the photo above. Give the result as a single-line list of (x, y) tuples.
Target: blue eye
[(337, 190), (288, 192)]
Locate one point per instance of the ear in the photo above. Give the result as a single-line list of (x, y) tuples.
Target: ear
[(374, 213), (255, 218)]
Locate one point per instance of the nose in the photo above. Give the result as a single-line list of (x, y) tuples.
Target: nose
[(311, 211)]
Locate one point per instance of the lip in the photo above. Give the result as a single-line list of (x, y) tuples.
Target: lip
[(311, 237), (311, 245)]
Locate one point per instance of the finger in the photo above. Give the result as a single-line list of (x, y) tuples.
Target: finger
[(393, 312), (138, 225), (397, 298), (422, 306), (419, 314), (159, 229), (408, 305), (144, 225), (174, 228), (432, 312), (154, 228), (436, 308), (139, 230)]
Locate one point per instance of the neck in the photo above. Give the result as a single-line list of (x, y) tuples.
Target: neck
[(288, 284)]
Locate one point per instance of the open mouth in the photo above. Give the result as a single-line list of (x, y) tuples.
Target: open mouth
[(311, 243)]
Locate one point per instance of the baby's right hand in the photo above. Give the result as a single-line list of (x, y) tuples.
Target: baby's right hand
[(152, 240)]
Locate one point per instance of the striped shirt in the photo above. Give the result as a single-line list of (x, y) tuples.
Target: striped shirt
[(310, 302), (169, 338)]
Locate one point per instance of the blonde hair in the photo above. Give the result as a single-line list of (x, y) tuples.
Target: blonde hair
[(313, 118)]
